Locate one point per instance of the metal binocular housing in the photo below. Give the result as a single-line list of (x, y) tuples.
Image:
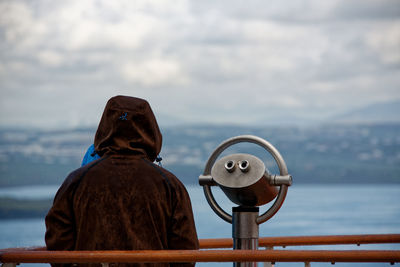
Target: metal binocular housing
[(244, 178), (246, 181)]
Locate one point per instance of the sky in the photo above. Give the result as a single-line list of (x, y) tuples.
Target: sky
[(241, 62)]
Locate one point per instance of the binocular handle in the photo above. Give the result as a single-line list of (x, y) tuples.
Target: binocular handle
[(210, 162)]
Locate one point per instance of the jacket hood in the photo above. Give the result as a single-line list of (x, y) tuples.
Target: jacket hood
[(128, 126)]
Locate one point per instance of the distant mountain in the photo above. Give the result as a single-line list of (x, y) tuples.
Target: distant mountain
[(165, 120), (350, 154), (386, 112)]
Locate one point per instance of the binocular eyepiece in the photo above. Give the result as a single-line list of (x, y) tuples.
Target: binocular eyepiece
[(246, 181), (230, 165)]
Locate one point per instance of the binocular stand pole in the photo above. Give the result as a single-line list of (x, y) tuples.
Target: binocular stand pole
[(245, 231)]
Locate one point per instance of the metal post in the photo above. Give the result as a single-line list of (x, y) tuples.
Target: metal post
[(245, 231)]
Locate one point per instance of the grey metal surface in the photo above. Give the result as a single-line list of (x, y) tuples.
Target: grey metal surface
[(244, 184), (206, 183), (244, 165), (245, 231), (246, 243), (279, 179), (230, 166), (244, 225), (250, 139), (206, 180), (238, 178)]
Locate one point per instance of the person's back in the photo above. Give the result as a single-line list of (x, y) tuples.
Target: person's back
[(122, 201)]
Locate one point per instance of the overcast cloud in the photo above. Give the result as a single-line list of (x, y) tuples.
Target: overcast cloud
[(196, 61)]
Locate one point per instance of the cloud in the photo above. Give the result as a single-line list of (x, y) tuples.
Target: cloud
[(50, 58), (385, 41), (153, 72), (367, 10), (195, 60)]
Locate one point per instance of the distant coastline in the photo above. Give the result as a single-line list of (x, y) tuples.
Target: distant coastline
[(23, 208), (323, 154)]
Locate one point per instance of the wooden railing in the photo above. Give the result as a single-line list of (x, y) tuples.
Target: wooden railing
[(207, 253), (284, 241)]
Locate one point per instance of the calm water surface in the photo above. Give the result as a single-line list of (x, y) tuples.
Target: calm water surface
[(308, 210)]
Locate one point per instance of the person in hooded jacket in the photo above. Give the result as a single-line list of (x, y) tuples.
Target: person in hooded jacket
[(122, 200)]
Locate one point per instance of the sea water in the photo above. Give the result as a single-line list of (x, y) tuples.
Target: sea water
[(308, 210)]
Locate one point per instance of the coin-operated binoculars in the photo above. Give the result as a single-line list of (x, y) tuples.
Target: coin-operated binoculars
[(246, 182)]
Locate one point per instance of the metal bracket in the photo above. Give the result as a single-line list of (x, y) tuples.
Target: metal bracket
[(280, 179), (206, 180)]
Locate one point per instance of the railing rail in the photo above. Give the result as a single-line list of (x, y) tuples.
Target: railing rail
[(112, 256), (284, 241), (206, 254)]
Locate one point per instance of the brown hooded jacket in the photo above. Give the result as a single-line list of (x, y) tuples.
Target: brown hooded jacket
[(123, 201)]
